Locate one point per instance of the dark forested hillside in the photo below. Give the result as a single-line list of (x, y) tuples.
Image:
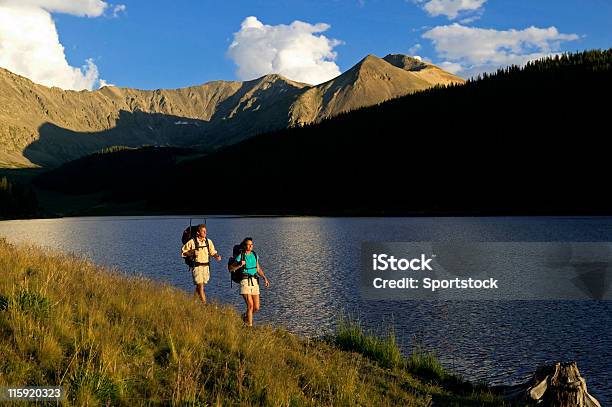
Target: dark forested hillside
[(528, 140), (16, 200), (123, 173)]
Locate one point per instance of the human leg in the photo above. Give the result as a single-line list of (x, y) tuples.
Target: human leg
[(248, 300), (255, 303), (200, 278), (201, 292)]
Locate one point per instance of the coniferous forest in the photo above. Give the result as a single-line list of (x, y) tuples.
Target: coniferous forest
[(525, 140), (16, 200)]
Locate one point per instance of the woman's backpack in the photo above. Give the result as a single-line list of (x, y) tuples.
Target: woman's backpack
[(238, 274)]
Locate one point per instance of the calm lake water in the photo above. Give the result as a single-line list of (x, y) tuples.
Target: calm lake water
[(313, 264)]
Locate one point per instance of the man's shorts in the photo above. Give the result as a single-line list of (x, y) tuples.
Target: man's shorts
[(201, 275), (249, 286)]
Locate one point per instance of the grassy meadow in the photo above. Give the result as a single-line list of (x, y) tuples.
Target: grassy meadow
[(114, 340)]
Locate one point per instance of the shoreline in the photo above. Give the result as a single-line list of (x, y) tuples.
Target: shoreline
[(197, 217), (57, 306)]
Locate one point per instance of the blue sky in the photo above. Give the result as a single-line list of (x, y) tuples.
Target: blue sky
[(160, 44)]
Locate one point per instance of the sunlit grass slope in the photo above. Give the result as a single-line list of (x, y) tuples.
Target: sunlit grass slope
[(114, 340)]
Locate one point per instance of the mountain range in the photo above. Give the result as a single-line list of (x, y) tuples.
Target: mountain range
[(42, 126), (524, 141)]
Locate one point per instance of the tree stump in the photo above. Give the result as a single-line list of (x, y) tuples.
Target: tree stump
[(558, 385)]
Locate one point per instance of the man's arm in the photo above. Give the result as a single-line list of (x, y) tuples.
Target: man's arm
[(188, 249), (213, 251)]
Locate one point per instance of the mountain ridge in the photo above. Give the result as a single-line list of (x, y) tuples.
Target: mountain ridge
[(478, 149), (42, 126)]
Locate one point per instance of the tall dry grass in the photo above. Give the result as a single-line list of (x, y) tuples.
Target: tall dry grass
[(114, 340)]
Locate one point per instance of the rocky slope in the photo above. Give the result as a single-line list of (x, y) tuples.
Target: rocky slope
[(373, 80), (41, 126)]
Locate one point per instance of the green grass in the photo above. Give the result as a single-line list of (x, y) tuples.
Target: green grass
[(445, 388), (350, 336), (114, 340), (384, 350), (425, 364)]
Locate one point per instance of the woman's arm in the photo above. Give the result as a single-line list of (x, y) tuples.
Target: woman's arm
[(261, 274), (234, 266)]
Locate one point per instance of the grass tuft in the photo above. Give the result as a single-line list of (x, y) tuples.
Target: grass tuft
[(424, 363), (33, 303), (350, 336)]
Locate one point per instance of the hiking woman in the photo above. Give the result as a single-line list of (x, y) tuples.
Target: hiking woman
[(247, 263)]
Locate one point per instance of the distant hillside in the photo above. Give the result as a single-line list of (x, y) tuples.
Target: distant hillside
[(49, 126), (372, 81), (526, 140)]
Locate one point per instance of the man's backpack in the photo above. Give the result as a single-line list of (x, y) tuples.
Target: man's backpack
[(191, 233), (239, 274)]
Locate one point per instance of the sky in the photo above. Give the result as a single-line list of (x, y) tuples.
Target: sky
[(154, 44)]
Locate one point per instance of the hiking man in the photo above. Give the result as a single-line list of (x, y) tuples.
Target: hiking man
[(200, 249), (247, 263)]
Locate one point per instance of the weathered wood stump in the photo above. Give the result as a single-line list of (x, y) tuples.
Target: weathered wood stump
[(558, 385)]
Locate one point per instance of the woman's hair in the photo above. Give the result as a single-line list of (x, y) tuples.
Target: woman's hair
[(244, 241)]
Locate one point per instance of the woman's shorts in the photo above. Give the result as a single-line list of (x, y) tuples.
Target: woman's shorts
[(249, 286), (201, 275)]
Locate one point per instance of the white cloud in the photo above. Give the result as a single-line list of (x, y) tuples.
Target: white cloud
[(102, 83), (451, 67), (469, 51), (30, 46), (119, 8), (414, 49), (471, 19), (290, 50), (450, 8), (89, 8)]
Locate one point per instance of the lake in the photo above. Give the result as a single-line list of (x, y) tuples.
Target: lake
[(313, 264)]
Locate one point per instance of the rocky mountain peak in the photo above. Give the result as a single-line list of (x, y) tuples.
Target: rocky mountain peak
[(405, 62)]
